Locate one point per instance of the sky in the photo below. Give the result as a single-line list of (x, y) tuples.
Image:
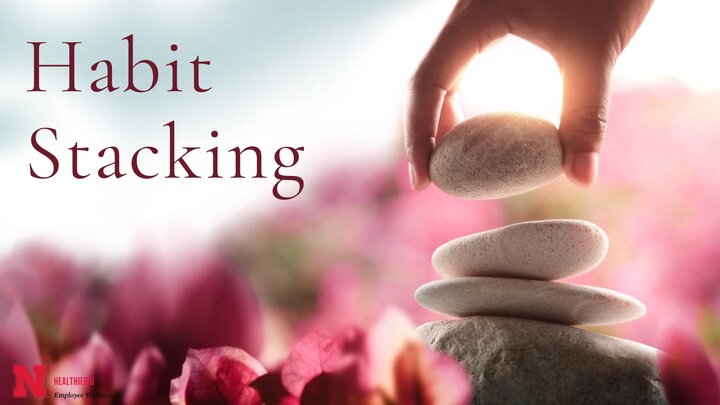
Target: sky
[(326, 75)]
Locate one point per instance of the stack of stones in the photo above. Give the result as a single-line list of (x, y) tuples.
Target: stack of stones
[(516, 335)]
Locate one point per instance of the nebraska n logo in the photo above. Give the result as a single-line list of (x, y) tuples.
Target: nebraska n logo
[(24, 380)]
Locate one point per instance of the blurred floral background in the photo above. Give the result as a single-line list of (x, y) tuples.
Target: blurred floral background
[(263, 286), (361, 244)]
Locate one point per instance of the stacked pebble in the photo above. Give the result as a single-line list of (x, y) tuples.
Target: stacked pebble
[(515, 335)]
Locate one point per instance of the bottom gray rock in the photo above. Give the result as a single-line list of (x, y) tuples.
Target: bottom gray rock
[(519, 361)]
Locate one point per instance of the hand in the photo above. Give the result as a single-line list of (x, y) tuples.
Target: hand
[(584, 36)]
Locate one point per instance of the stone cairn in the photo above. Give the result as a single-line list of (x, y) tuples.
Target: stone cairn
[(515, 333)]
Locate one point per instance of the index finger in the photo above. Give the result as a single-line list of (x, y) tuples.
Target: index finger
[(468, 30)]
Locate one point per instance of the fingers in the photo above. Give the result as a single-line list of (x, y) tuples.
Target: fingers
[(431, 109), (450, 115), (584, 116), (443, 118), (421, 121)]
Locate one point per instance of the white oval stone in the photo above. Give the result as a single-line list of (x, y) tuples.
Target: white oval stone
[(517, 361), (497, 155), (548, 301), (541, 250)]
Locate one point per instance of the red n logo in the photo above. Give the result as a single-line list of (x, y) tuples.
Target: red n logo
[(24, 380)]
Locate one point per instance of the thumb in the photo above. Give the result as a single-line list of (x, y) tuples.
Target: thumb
[(586, 87)]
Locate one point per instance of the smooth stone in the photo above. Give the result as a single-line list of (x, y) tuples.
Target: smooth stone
[(541, 250), (518, 361), (497, 155), (568, 304)]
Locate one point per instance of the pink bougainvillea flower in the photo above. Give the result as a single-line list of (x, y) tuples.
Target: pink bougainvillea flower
[(386, 340), (426, 378), (333, 370), (40, 277), (98, 360), (202, 301), (311, 356), (17, 344), (336, 389), (337, 302), (411, 373), (385, 366), (317, 354), (272, 391), (58, 294), (217, 376), (148, 380), (687, 374)]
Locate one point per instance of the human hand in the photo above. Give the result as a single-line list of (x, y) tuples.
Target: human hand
[(584, 36)]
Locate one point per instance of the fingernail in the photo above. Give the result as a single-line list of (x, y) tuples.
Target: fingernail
[(585, 168), (413, 177)]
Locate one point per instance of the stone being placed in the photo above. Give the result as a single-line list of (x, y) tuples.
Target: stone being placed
[(542, 250), (497, 155), (519, 361), (568, 304)]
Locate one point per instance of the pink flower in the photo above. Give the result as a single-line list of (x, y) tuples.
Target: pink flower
[(197, 301), (383, 366), (98, 360), (148, 380), (410, 373), (424, 377), (17, 343), (331, 368), (660, 157), (687, 374), (155, 312), (58, 294), (217, 376), (338, 304)]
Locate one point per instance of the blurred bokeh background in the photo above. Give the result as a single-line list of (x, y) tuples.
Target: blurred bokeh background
[(182, 263)]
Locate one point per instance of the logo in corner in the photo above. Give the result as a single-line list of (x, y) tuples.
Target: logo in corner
[(26, 380)]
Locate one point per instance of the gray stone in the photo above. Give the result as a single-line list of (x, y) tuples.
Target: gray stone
[(497, 155), (516, 361), (549, 301), (542, 250)]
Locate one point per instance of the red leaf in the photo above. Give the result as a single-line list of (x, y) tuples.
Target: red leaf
[(220, 375)]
